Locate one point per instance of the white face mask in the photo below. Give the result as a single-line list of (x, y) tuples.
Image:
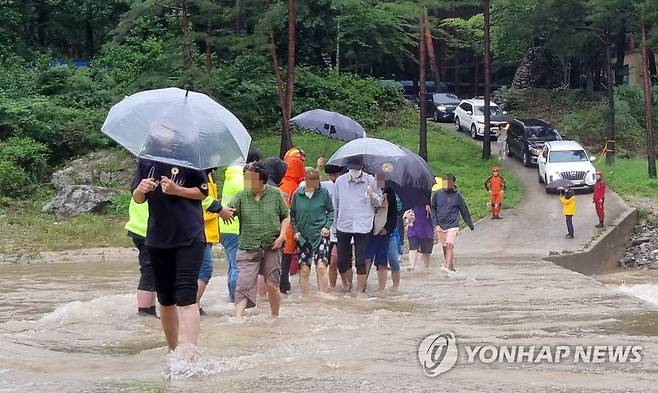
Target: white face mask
[(355, 173)]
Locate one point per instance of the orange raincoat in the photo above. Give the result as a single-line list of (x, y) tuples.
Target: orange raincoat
[(295, 174)]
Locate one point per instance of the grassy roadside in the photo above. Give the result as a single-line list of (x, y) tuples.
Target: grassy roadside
[(629, 179), (24, 229)]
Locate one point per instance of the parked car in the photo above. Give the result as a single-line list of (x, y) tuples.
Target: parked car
[(441, 106), (469, 116), (566, 160), (526, 138)]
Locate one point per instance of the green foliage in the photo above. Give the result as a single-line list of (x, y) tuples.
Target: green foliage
[(120, 203), (66, 131), (26, 153), (13, 179)]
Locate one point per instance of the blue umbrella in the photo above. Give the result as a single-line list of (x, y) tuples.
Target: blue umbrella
[(178, 127), (330, 124)]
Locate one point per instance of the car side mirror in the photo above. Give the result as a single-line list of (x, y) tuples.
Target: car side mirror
[(592, 158), (469, 113)]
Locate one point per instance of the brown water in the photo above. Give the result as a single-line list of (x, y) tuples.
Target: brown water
[(73, 328)]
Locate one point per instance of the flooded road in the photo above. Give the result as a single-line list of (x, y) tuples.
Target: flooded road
[(72, 327)]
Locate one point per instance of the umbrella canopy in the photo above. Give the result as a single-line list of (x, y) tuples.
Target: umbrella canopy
[(560, 183), (377, 155), (179, 128), (330, 124), (412, 179)]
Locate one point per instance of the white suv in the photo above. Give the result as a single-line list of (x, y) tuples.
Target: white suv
[(469, 116), (566, 160)]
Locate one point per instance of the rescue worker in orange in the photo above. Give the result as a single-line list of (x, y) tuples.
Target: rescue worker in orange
[(599, 198), (495, 185), (295, 158)]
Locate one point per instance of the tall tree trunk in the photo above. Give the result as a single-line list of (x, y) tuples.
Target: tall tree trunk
[(91, 42), (430, 51), (486, 140), (338, 45), (457, 73), (476, 75), (610, 155), (238, 15), (648, 102), (443, 55), (185, 33), (653, 72), (620, 46), (279, 85), (209, 50), (286, 136), (422, 148)]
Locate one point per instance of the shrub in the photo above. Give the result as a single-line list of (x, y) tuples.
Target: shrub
[(14, 181), (120, 203), (26, 153)]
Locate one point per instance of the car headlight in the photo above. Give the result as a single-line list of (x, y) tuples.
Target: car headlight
[(441, 108), (535, 151), (480, 125)]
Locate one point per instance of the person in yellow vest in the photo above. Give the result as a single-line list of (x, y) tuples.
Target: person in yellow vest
[(568, 200), (136, 227), (210, 216)]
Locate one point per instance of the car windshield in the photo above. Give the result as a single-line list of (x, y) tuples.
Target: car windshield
[(542, 134), (445, 98), (567, 156), (495, 110)]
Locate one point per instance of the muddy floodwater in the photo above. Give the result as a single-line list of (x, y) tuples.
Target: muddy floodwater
[(72, 327)]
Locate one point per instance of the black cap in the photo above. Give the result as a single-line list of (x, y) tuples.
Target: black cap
[(330, 169), (355, 162)]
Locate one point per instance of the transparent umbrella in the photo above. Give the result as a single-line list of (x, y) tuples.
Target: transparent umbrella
[(178, 127)]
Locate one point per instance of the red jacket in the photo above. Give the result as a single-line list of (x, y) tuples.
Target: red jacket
[(599, 190)]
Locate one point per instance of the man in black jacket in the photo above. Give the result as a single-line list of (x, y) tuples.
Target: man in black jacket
[(383, 244), (447, 205)]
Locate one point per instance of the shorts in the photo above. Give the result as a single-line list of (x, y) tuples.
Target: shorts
[(205, 273), (251, 263), (312, 256), (390, 256), (176, 271), (146, 278), (448, 236), (377, 249), (425, 246)]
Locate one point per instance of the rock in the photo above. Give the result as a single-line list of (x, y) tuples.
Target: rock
[(105, 168), (639, 240), (538, 69), (74, 200)]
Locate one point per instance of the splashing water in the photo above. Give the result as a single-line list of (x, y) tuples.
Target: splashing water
[(646, 292)]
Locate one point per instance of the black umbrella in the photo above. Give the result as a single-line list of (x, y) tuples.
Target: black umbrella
[(276, 168), (375, 154), (330, 124), (411, 178), (560, 183)]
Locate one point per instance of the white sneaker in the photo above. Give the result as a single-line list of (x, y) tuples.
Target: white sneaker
[(445, 269)]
